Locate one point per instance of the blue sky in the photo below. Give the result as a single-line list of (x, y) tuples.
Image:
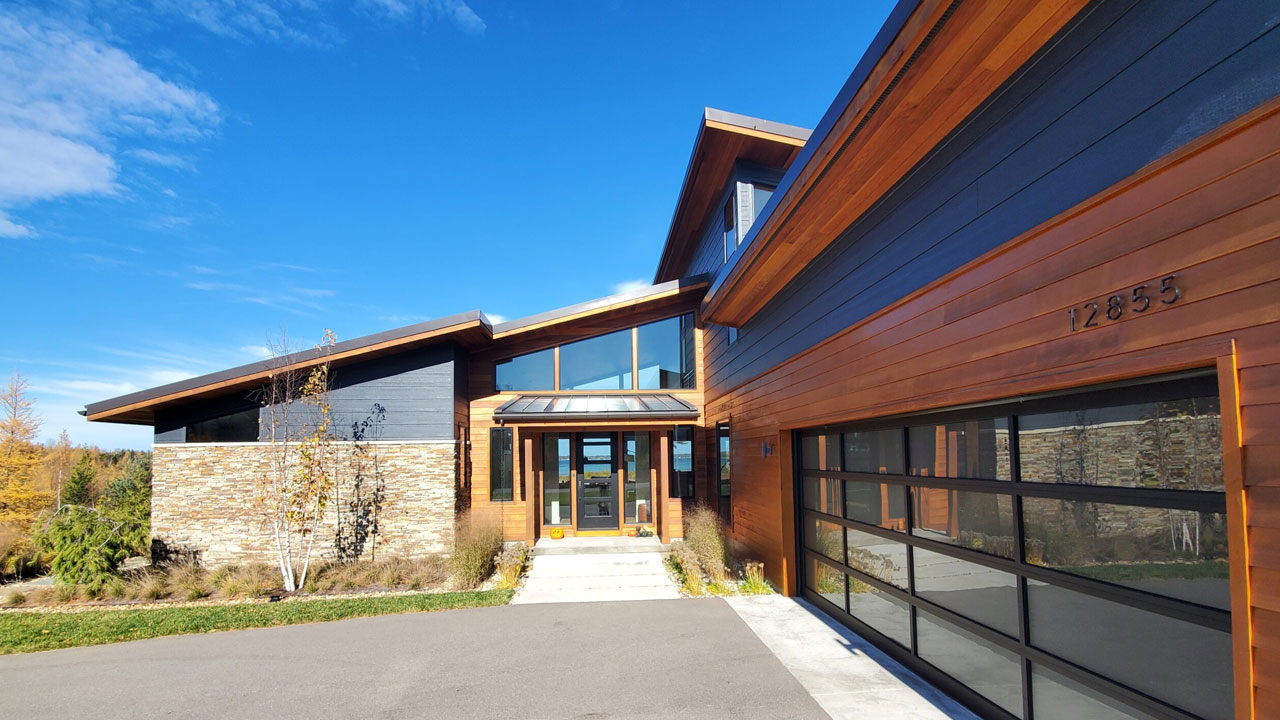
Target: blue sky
[(181, 179)]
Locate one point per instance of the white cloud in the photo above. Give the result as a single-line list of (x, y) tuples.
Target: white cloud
[(168, 160), (495, 318), (259, 352), (9, 228), (67, 98), (455, 11), (629, 286)]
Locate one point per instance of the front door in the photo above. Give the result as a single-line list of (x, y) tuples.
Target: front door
[(598, 482)]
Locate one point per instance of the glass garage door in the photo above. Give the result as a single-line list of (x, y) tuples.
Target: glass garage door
[(1062, 557)]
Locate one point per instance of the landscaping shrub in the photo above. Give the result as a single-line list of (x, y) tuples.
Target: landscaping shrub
[(754, 582), (511, 564), (704, 534), (684, 561), (474, 549), (85, 544), (14, 599)]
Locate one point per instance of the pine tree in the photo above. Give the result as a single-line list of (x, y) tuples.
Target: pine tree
[(77, 489)]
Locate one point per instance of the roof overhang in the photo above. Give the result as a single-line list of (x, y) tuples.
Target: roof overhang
[(584, 408), (723, 138), (469, 330), (932, 64)]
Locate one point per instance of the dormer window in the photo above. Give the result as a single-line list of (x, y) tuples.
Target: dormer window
[(760, 195), (730, 229)]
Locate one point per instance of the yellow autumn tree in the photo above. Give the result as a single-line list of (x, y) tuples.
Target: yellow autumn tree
[(20, 501)]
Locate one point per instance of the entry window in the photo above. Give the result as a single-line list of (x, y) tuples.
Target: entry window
[(237, 427), (637, 489), (1082, 530), (599, 363), (682, 462), (724, 487), (535, 371), (501, 484), (665, 354), (557, 479)]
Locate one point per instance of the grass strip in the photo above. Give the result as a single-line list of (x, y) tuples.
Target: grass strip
[(30, 632)]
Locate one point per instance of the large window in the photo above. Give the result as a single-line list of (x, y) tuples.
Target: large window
[(1064, 553), (655, 356), (535, 371), (599, 363), (501, 475), (637, 488), (665, 354), (557, 479)]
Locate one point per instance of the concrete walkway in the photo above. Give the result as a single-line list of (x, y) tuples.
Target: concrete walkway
[(596, 569), (845, 674)]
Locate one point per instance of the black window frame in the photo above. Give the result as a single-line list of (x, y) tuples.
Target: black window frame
[(501, 465), (1196, 383)]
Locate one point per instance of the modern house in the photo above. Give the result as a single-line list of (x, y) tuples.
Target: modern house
[(986, 366)]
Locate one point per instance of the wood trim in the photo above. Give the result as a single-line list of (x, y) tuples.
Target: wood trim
[(788, 574), (635, 358), (752, 132), (1237, 535)]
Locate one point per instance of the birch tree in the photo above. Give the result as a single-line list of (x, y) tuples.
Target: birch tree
[(297, 429)]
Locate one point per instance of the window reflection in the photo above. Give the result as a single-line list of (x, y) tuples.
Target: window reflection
[(825, 538), (1170, 444), (1056, 697), (825, 581), (971, 449), (975, 591), (822, 494), (878, 557), (637, 488), (974, 520), (557, 483), (874, 451), (988, 669), (821, 452), (1180, 663), (1179, 553), (535, 371), (885, 613), (666, 354), (876, 504), (598, 363)]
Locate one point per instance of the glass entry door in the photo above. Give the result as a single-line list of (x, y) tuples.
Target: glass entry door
[(598, 482)]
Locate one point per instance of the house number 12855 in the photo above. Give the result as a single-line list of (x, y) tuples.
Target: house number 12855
[(1138, 300)]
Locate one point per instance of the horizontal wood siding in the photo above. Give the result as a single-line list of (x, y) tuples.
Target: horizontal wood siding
[(1131, 82), (999, 327)]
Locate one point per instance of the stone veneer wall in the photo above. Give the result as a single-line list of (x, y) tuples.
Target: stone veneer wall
[(203, 501)]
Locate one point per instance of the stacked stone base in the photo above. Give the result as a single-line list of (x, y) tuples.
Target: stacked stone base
[(206, 502)]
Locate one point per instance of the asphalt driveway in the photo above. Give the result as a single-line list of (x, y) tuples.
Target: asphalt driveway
[(667, 658)]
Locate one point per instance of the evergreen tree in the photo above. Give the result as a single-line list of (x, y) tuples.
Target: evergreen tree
[(77, 490)]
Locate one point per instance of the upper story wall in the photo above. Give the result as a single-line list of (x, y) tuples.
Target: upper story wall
[(1131, 81), (417, 390), (709, 255)]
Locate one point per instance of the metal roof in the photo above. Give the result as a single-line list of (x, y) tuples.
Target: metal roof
[(595, 407)]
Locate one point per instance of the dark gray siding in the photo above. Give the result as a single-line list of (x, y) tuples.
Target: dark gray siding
[(1128, 84), (709, 255), (416, 388)]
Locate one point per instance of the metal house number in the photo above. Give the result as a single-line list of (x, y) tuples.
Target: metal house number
[(1138, 300)]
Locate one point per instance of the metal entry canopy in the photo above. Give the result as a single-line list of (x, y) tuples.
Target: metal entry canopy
[(596, 407)]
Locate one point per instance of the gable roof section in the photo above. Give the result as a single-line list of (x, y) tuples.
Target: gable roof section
[(471, 330), (723, 138), (932, 64)]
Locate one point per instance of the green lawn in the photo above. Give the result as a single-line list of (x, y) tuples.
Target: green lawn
[(29, 632)]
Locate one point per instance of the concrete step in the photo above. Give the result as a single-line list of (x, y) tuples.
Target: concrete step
[(529, 597)]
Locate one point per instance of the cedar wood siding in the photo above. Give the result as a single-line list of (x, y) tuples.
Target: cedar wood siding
[(1129, 83), (1144, 141), (416, 387)]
